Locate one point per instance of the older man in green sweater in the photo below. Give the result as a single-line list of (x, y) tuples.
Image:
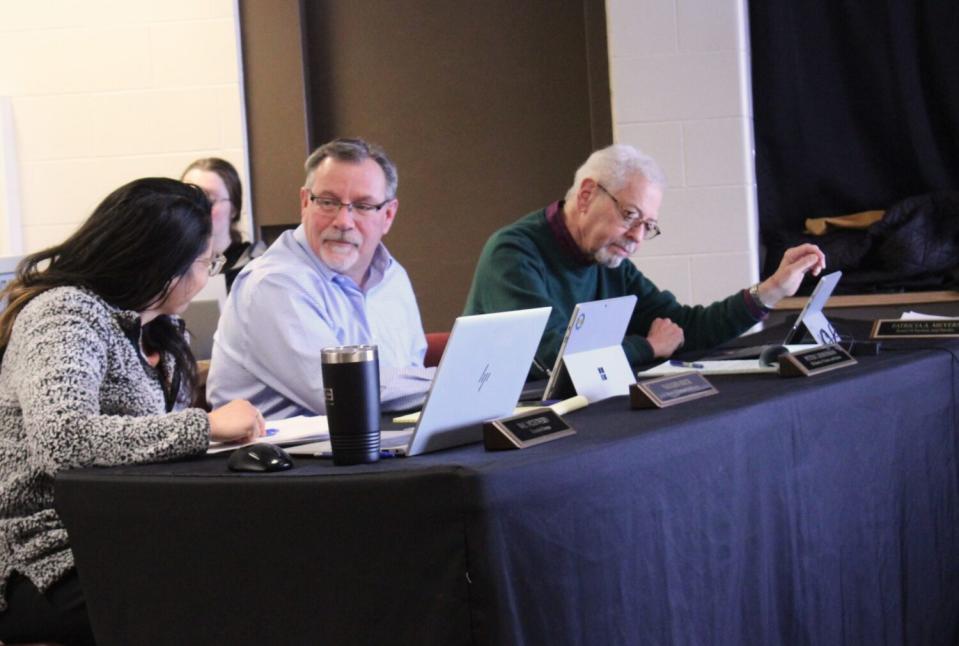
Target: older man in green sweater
[(573, 251)]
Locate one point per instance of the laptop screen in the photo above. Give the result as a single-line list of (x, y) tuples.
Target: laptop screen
[(479, 377), (593, 325), (811, 316)]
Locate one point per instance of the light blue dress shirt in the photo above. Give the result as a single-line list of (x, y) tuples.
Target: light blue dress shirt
[(287, 305)]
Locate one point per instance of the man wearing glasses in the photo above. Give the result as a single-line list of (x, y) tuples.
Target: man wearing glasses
[(573, 250), (329, 282)]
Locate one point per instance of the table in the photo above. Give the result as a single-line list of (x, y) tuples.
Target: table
[(819, 510)]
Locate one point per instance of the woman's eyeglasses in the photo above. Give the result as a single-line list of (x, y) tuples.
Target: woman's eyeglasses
[(214, 264)]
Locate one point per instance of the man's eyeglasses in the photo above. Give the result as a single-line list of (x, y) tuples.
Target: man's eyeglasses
[(633, 218), (332, 206), (214, 264)]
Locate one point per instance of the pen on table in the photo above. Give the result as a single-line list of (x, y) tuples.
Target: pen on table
[(685, 364)]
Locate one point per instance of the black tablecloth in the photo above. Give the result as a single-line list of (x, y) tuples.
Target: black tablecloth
[(819, 510)]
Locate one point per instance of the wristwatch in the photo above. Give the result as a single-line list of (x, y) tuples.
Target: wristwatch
[(754, 293)]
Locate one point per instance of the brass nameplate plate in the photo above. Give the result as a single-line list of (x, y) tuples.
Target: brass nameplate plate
[(669, 391), (525, 430), (922, 329), (814, 361)]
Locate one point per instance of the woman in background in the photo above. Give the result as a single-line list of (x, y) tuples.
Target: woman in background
[(95, 371), (221, 183)]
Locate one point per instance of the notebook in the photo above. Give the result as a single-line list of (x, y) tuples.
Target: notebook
[(479, 378), (591, 359), (811, 318)]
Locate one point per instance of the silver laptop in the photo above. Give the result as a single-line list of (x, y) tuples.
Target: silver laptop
[(594, 325), (811, 319), (203, 314), (479, 378)]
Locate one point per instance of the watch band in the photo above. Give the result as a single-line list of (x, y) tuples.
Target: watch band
[(754, 294)]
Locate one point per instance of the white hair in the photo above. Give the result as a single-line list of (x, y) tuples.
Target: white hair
[(614, 166)]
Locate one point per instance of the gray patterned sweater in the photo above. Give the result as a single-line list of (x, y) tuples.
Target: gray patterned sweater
[(74, 392)]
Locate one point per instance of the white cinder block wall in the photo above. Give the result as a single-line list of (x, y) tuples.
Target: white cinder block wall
[(679, 73), (105, 91)]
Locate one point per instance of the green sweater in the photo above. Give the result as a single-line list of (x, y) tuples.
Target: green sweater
[(523, 265)]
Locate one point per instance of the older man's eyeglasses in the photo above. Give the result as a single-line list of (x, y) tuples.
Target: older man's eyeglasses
[(332, 206), (632, 218), (213, 265)]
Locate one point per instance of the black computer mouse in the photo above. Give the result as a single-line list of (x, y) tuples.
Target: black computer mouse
[(260, 457), (770, 354)]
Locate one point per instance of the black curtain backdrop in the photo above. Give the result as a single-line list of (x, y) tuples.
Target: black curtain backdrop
[(856, 107)]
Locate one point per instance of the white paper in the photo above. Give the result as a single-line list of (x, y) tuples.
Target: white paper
[(284, 432), (734, 367), (917, 316)]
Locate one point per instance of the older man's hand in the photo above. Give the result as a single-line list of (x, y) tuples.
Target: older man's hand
[(796, 262), (665, 337)]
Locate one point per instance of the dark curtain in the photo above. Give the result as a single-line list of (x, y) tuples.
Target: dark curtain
[(856, 107)]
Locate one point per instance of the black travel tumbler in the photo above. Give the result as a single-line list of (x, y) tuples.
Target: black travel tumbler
[(351, 385)]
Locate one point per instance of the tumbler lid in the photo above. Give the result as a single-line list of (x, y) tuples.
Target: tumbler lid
[(348, 354)]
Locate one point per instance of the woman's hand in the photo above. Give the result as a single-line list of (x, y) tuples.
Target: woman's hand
[(238, 421)]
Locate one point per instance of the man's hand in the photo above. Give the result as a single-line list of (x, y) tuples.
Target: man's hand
[(665, 337), (796, 262)]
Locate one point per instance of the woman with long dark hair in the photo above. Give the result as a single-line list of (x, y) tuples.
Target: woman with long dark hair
[(95, 370)]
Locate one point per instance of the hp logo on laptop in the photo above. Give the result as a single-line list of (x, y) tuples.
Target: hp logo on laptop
[(484, 377), (602, 373)]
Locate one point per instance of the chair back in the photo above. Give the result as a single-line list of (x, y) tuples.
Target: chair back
[(435, 344)]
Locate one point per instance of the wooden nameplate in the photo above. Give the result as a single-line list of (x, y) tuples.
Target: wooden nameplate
[(525, 430), (917, 329), (669, 391), (814, 361)]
